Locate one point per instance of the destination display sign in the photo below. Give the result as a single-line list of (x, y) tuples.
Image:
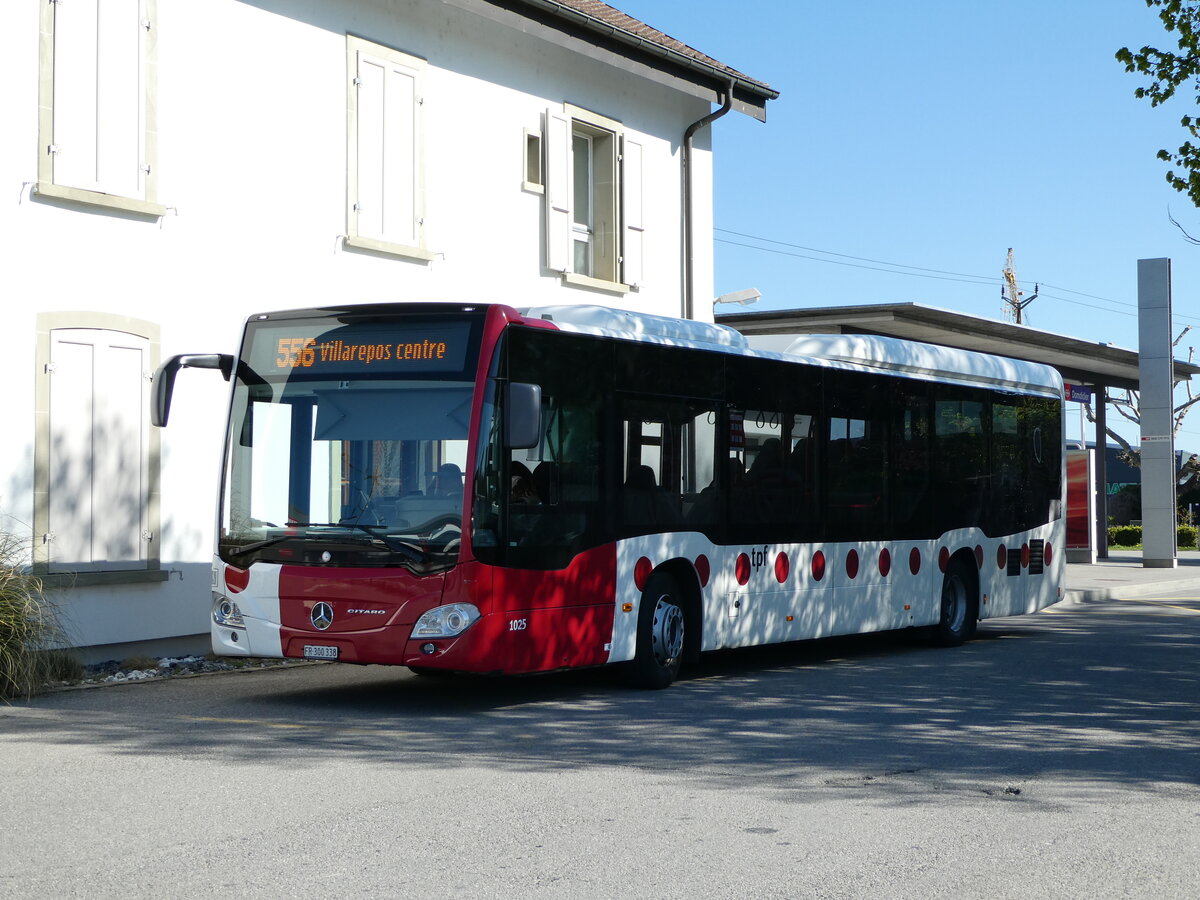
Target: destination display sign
[(299, 348)]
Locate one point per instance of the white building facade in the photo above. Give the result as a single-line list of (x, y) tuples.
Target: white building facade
[(172, 167)]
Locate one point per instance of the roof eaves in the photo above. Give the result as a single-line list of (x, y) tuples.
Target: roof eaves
[(750, 94)]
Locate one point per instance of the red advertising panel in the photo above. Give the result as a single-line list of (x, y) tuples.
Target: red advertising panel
[(1079, 495)]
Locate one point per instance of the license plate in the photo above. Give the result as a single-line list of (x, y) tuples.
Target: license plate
[(320, 651)]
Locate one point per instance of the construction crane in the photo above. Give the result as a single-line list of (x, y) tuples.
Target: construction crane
[(1014, 306)]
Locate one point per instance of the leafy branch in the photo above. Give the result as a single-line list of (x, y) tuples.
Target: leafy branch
[(1168, 71)]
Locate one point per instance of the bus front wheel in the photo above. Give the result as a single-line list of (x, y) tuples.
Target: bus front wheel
[(960, 606), (660, 637)]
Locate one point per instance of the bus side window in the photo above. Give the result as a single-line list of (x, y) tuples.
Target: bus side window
[(698, 470), (1008, 498), (761, 495), (668, 453), (960, 457), (1042, 425), (909, 495), (650, 496), (772, 438), (857, 456)]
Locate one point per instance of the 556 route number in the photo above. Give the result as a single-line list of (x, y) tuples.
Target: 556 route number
[(295, 353)]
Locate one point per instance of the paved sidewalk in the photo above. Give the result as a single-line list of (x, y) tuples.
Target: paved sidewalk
[(1122, 575)]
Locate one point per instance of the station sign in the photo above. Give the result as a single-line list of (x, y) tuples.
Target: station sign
[(1078, 393)]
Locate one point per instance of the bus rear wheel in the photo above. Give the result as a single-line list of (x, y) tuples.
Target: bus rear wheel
[(960, 606), (660, 639)]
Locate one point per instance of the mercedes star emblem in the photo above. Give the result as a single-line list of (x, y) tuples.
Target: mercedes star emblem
[(322, 616)]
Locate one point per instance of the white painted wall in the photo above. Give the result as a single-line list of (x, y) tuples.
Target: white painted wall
[(252, 166)]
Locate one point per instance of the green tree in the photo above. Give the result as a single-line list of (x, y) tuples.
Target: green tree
[(1168, 71)]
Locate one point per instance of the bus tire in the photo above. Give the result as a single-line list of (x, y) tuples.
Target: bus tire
[(660, 636), (960, 605)]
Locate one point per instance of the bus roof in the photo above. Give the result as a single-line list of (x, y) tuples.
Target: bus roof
[(922, 360), (631, 326), (858, 351)]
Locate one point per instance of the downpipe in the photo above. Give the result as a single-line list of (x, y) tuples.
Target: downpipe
[(688, 237)]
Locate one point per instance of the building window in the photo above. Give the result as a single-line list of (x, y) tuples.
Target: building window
[(96, 128), (96, 470), (385, 196), (583, 225), (593, 177), (533, 180)]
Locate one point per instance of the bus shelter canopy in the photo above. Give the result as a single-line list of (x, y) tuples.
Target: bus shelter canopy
[(1079, 361)]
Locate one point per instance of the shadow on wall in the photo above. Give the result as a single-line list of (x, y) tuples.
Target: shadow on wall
[(99, 519), (98, 495), (99, 503)]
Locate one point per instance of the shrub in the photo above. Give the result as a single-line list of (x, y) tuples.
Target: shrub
[(28, 627), (1131, 536), (1125, 536), (1187, 537)]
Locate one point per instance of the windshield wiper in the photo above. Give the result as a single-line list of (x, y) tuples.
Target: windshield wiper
[(258, 545), (404, 548), (408, 550), (379, 532)]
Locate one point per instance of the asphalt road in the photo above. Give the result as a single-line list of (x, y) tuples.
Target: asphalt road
[(1058, 755)]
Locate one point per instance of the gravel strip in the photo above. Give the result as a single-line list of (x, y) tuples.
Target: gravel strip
[(114, 672)]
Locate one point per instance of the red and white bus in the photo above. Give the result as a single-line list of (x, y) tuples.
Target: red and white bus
[(485, 489)]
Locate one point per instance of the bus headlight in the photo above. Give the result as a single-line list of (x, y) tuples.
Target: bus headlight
[(225, 612), (446, 621)]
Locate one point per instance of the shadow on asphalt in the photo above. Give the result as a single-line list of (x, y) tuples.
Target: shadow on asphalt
[(1087, 694)]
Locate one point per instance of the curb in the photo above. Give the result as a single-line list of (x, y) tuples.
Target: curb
[(1117, 592)]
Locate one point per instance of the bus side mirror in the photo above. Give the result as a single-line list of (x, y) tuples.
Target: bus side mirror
[(522, 416), (163, 385)]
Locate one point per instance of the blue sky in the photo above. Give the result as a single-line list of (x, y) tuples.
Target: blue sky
[(936, 134)]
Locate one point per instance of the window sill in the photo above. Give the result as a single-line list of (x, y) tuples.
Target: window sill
[(387, 247), (92, 579), (598, 284), (98, 198)]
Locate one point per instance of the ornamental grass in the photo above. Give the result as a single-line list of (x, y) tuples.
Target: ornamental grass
[(28, 627)]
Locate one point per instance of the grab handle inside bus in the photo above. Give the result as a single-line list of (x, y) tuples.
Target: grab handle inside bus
[(164, 379), (522, 416)]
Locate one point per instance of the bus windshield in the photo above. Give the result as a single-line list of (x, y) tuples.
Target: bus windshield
[(348, 441)]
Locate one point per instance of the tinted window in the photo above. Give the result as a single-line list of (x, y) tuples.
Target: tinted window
[(772, 450), (546, 503), (911, 482), (856, 456), (960, 457)]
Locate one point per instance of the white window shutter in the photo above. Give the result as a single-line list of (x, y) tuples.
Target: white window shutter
[(99, 450), (632, 212), (98, 96), (71, 463), (75, 62), (119, 103), (558, 191), (387, 205), (400, 208), (120, 451), (368, 204)]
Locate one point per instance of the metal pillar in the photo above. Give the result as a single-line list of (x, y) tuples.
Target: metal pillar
[(1101, 471), (1155, 366)]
